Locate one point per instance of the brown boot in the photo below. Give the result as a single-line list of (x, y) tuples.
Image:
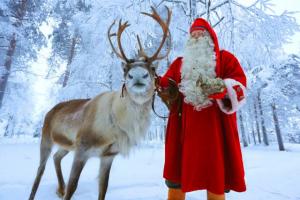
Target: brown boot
[(212, 196), (176, 194)]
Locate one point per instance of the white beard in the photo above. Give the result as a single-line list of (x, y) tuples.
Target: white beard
[(199, 60)]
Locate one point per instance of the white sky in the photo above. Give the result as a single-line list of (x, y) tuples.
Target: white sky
[(290, 5), (279, 7)]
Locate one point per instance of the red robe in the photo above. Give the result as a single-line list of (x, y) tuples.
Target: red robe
[(202, 148)]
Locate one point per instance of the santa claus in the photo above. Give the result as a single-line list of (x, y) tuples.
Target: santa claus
[(202, 149)]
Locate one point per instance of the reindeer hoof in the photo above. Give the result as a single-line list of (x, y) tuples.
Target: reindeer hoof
[(60, 192)]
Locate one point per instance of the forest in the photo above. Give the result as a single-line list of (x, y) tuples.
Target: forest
[(53, 51)]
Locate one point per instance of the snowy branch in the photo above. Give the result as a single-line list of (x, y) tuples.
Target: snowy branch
[(215, 7)]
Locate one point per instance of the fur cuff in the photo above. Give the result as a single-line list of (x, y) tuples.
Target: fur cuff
[(233, 96)]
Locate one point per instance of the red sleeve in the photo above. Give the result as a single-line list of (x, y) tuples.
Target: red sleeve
[(232, 68), (235, 80), (171, 72)]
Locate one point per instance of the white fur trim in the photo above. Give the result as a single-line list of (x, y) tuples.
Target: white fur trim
[(236, 105)]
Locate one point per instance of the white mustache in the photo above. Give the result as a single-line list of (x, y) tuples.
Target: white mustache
[(194, 43)]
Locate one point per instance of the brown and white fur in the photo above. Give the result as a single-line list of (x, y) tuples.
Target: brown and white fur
[(104, 126)]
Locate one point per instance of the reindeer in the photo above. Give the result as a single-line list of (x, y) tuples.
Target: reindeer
[(106, 125)]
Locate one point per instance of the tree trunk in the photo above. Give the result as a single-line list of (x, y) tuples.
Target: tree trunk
[(277, 128), (244, 138), (249, 139), (193, 10), (6, 132), (207, 6), (257, 124), (264, 130), (110, 77), (164, 129), (110, 72), (70, 59), (246, 126), (251, 121), (253, 134), (7, 66), (20, 13)]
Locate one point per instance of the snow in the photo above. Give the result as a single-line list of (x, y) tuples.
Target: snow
[(270, 174)]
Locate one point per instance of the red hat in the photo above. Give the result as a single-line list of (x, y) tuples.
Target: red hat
[(198, 25)]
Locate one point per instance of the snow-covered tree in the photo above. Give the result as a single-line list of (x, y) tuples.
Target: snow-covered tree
[(81, 63)]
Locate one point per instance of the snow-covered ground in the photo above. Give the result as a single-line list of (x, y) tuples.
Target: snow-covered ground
[(270, 174)]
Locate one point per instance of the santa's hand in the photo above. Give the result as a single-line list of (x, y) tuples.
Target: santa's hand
[(212, 86), (157, 80), (227, 103), (169, 94)]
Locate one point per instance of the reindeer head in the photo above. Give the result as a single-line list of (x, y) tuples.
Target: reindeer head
[(139, 72)]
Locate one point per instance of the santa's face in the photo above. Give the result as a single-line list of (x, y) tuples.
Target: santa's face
[(199, 61), (199, 56), (198, 33)]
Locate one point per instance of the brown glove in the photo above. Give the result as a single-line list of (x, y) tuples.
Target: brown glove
[(170, 94)]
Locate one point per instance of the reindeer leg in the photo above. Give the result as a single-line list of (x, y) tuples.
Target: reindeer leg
[(45, 150), (80, 159), (106, 162), (58, 156)]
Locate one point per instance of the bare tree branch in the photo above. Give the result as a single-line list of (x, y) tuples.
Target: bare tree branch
[(218, 22), (201, 1), (182, 30), (215, 7)]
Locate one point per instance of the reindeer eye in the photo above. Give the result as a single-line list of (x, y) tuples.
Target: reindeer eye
[(131, 77), (146, 76)]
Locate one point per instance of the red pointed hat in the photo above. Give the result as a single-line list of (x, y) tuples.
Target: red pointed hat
[(199, 24)]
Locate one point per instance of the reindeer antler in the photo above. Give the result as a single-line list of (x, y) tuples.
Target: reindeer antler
[(141, 51), (121, 28), (165, 28)]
